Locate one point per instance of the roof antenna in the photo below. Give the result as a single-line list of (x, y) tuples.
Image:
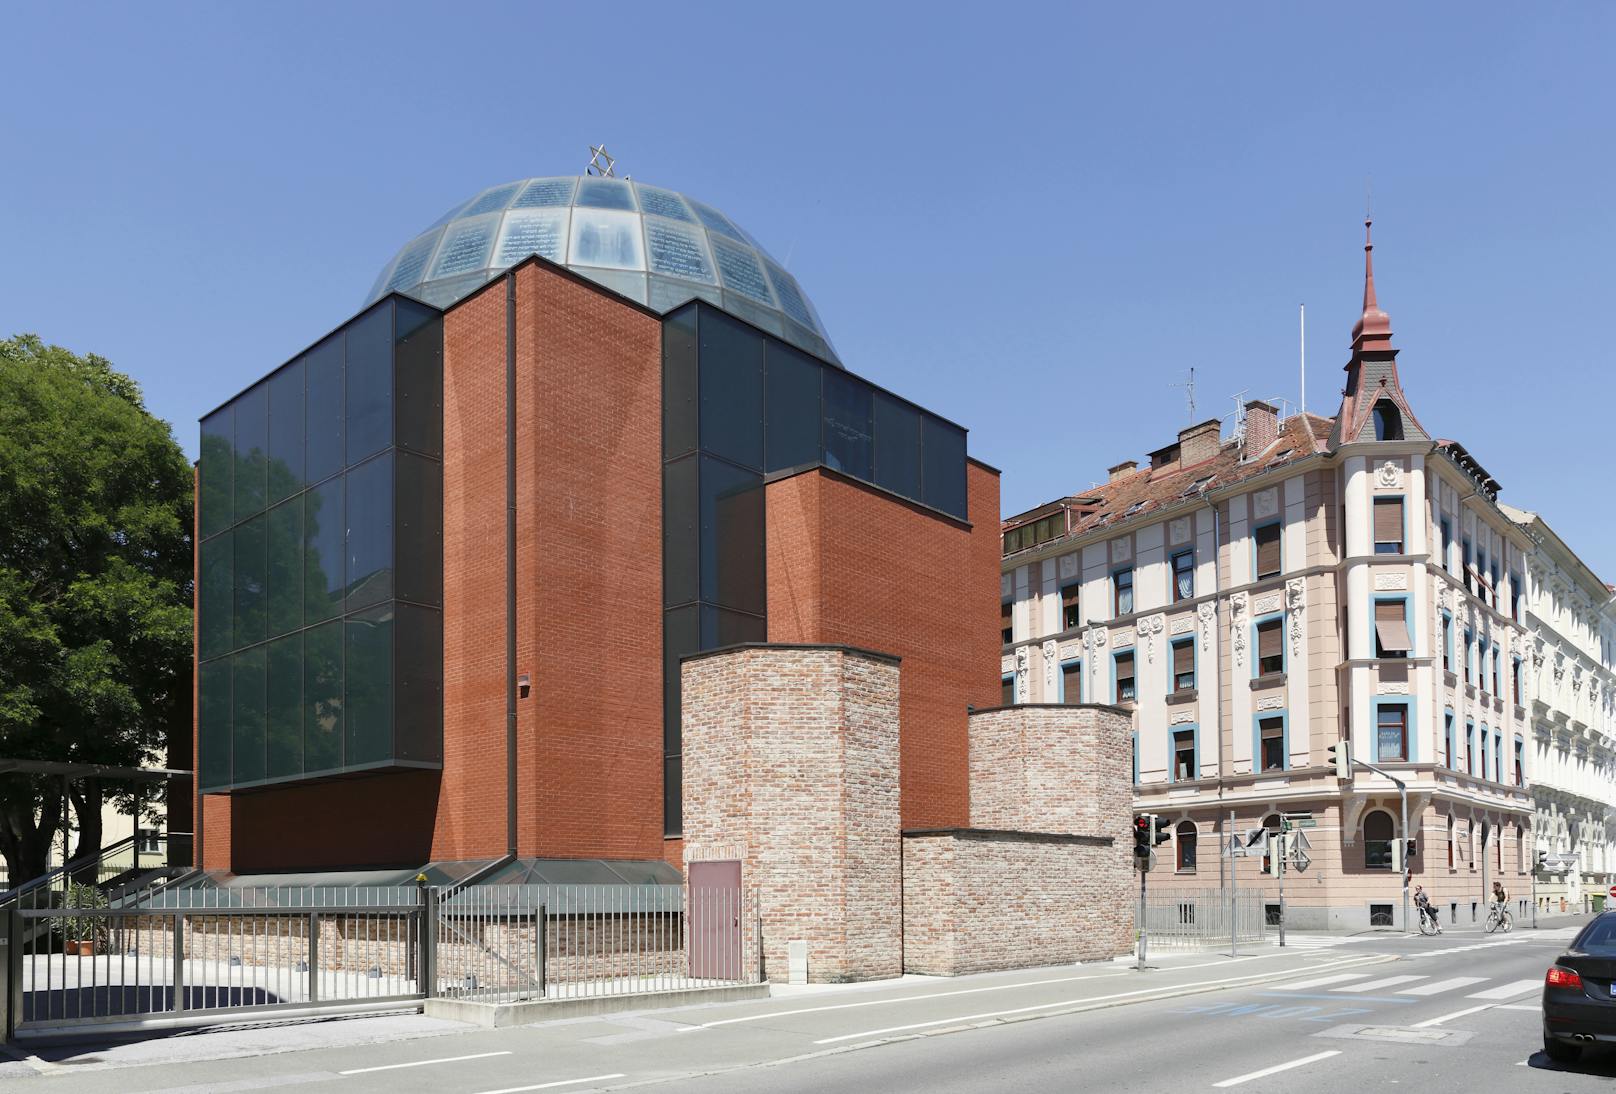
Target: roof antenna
[(1239, 431), (1303, 308), (1189, 392), (601, 163)]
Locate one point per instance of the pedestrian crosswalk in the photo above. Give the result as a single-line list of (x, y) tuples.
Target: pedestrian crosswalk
[(1363, 983), (1316, 941)]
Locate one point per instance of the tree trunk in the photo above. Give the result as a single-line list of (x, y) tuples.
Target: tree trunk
[(87, 801), (30, 819)]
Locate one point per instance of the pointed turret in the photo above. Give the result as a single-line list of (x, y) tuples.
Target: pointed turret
[(1373, 406)]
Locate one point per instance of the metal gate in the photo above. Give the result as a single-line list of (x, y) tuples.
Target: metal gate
[(715, 921), (1193, 919)]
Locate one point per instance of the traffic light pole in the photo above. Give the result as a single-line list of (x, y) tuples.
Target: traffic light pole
[(1402, 793), (1144, 927), (1234, 903), (1279, 870)]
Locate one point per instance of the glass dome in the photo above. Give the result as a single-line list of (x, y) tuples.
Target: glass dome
[(651, 245)]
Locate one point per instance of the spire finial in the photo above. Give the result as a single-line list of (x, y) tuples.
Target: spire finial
[(1374, 327), (1369, 268)]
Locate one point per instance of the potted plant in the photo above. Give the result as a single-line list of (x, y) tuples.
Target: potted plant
[(83, 932)]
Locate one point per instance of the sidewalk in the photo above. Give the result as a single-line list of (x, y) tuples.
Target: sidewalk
[(789, 1023)]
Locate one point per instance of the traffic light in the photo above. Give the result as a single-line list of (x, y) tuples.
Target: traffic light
[(1141, 836), (1413, 848), (1159, 832), (1341, 758), (1542, 860)]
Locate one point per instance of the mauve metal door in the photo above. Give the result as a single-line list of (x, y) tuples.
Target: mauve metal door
[(715, 920)]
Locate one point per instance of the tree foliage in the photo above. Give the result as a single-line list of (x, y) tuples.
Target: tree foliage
[(95, 584)]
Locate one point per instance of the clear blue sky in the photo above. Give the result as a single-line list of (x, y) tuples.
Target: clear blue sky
[(1032, 220)]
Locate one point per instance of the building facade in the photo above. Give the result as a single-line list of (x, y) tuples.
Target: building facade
[(1256, 600), (1571, 617)]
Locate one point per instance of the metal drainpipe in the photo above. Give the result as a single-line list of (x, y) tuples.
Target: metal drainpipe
[(510, 563)]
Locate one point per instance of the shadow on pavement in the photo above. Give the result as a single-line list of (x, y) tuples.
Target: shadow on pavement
[(1599, 1062)]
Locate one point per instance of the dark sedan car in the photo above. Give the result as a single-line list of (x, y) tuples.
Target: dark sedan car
[(1579, 993)]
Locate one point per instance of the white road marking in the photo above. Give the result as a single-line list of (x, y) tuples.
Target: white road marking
[(1341, 978), (1445, 985), (1165, 992), (1450, 1017), (552, 1086), (1377, 985), (1522, 1006), (422, 1063), (1509, 991), (1277, 1068)]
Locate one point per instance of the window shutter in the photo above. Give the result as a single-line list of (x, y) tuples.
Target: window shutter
[(1069, 595), (1183, 658), (1391, 627), (1268, 639), (1125, 666), (1388, 520), (1268, 550)]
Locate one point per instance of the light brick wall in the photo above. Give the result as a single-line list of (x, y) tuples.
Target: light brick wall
[(1052, 769), (976, 901), (791, 766)]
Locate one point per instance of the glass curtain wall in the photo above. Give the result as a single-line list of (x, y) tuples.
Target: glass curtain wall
[(740, 405), (321, 575)]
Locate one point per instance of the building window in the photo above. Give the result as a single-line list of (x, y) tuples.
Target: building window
[(1186, 848), (1498, 657), (1515, 597), (1070, 616), (1470, 657), (1269, 562), (1006, 627), (1391, 629), (1122, 592), (1072, 682), (1447, 736), (1184, 664), (1184, 755), (1450, 843), (1124, 671), (1271, 646), (1469, 573), (1007, 691), (1495, 574), (1183, 576), (1388, 526), (1447, 545), (1484, 736), (1447, 642), (1377, 840), (1481, 575), (1388, 421), (1470, 748), (1391, 732), (1520, 763), (1271, 743), (1498, 757), (1515, 682)]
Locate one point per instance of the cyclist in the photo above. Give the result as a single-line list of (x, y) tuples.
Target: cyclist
[(1499, 898), (1422, 903)]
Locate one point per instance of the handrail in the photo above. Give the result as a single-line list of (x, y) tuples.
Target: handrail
[(83, 861)]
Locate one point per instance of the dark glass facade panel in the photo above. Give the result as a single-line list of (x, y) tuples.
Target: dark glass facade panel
[(213, 722), (731, 384), (673, 811), (792, 414), (679, 383), (368, 687), (247, 716), (418, 684), (369, 515), (725, 628), (283, 567), (681, 637), (286, 432), (680, 521), (324, 552), (848, 446), (943, 471), (322, 698), (897, 446), (732, 536), (323, 415), (216, 471), (252, 451), (215, 598), (368, 383), (250, 580), (283, 708), (418, 529), (418, 377)]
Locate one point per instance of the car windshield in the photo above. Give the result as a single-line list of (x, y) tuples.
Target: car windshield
[(1600, 937)]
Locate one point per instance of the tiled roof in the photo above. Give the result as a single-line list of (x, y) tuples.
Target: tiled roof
[(1138, 496)]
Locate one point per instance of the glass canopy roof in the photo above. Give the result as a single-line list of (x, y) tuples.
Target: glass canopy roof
[(651, 245)]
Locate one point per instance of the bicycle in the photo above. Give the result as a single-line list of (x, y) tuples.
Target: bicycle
[(1429, 924), (1499, 918)]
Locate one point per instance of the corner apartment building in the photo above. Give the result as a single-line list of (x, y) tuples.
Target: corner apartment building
[(1571, 674), (1257, 599)]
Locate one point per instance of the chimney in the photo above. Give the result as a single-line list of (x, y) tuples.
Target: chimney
[(1123, 470), (1199, 442), (1262, 427)]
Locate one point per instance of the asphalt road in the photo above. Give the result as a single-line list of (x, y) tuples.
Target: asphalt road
[(1457, 1012)]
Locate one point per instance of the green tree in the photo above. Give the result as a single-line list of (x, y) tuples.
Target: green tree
[(95, 589)]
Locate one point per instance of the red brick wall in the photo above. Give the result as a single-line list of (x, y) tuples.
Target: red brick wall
[(849, 564)]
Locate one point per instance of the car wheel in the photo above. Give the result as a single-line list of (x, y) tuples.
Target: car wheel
[(1560, 1052)]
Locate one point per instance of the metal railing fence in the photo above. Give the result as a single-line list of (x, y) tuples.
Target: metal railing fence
[(1193, 919)]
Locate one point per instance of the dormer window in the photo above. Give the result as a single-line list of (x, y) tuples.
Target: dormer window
[(1388, 421)]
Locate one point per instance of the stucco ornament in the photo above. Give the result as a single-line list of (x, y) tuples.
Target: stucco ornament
[(1559, 666), (1051, 659), (1021, 673), (1094, 641), (1148, 629), (1208, 611), (1389, 474), (1237, 627), (1295, 596)]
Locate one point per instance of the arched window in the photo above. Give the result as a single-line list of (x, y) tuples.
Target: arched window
[(1377, 840), (1388, 421), (1270, 822), (1520, 849), (1450, 843), (1186, 847)]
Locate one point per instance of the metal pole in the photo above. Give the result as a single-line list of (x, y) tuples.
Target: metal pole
[(1144, 929), (429, 941), (1486, 830), (1284, 838), (1234, 905), (1402, 793)]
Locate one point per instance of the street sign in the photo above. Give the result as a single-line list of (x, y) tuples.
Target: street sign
[(1301, 820)]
